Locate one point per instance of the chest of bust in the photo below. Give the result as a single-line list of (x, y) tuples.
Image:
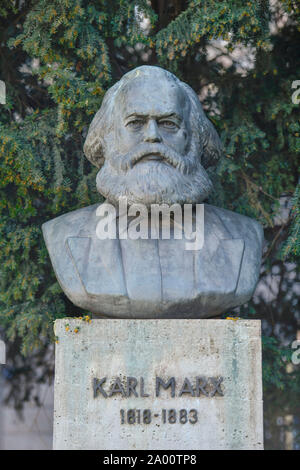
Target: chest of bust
[(156, 270)]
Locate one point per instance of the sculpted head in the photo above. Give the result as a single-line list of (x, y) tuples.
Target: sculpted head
[(152, 141)]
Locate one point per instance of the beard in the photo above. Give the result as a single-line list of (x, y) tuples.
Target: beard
[(154, 174)]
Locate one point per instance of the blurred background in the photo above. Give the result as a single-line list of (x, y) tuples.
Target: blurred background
[(57, 59)]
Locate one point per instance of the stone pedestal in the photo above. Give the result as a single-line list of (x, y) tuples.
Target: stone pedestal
[(158, 384)]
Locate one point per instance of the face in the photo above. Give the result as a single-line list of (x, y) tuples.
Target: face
[(148, 156), (151, 114)]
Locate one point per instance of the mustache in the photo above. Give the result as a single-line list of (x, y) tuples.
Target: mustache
[(159, 184), (166, 154)]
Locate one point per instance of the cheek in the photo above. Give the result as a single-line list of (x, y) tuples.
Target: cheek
[(125, 139), (178, 141)]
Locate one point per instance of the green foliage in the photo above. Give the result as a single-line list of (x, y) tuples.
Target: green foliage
[(234, 22), (276, 358), (58, 58)]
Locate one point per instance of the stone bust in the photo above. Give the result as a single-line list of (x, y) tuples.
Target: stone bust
[(153, 144)]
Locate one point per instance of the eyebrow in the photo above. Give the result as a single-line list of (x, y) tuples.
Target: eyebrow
[(158, 116)]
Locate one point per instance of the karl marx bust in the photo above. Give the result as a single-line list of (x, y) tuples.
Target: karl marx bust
[(152, 144)]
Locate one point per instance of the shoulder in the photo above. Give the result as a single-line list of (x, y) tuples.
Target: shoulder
[(238, 225), (251, 232), (76, 223), (56, 232)]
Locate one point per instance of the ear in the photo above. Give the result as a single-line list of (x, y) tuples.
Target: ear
[(93, 148), (212, 146), (100, 126)]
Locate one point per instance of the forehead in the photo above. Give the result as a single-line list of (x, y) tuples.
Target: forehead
[(152, 97)]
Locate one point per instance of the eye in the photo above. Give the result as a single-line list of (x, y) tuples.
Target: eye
[(168, 124), (135, 124)]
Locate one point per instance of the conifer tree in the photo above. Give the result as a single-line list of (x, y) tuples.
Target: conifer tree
[(58, 58)]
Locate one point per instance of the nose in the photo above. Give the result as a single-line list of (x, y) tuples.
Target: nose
[(152, 132)]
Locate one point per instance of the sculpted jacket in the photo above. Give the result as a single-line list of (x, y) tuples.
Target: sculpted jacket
[(156, 278)]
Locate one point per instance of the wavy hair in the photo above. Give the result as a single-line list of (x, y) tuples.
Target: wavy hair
[(204, 138)]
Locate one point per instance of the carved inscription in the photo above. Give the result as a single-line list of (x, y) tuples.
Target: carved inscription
[(133, 387)]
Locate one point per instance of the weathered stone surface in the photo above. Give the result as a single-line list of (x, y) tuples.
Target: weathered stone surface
[(153, 144), (146, 349), (156, 278)]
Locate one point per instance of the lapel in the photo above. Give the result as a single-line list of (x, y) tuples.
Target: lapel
[(159, 270), (98, 264), (218, 265)]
